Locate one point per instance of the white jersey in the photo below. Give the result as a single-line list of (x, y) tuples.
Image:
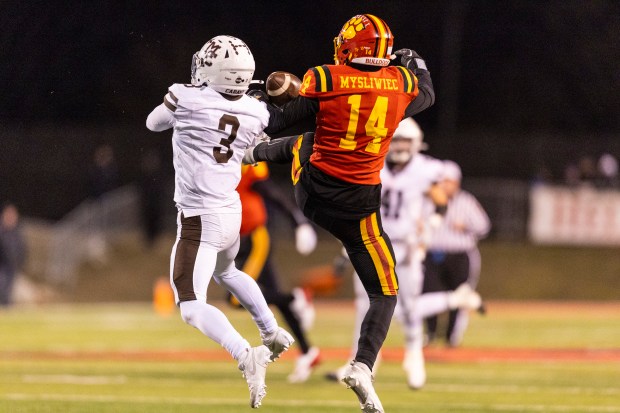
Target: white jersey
[(403, 197), (209, 139)]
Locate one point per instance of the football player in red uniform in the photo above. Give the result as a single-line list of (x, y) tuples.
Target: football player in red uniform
[(358, 103)]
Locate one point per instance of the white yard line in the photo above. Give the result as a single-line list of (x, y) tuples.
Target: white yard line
[(292, 403)]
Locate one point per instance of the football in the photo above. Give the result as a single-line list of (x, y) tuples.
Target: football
[(282, 87)]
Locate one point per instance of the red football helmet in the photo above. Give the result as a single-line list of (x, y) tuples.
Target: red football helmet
[(364, 39)]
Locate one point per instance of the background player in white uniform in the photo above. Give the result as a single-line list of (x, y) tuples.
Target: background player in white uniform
[(214, 122), (410, 196)]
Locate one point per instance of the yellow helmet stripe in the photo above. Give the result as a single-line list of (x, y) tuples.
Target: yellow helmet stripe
[(383, 35)]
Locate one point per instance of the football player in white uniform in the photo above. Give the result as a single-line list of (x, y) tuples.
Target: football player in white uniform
[(412, 203), (213, 122)]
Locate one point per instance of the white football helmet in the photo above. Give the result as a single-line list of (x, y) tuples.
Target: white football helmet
[(225, 64), (406, 142)]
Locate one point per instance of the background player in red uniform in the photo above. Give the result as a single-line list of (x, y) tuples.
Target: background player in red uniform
[(254, 258), (358, 104)]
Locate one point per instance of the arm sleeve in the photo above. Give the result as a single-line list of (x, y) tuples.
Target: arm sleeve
[(278, 150), (478, 222), (426, 95), (268, 190), (160, 119), (292, 112)]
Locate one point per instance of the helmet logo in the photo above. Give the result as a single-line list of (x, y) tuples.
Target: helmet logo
[(211, 52), (242, 45), (351, 28)]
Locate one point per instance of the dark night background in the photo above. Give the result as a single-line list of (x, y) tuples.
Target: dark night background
[(520, 84)]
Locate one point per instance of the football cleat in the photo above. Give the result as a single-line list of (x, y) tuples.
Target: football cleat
[(254, 368), (359, 379), (464, 297), (338, 374), (304, 366), (278, 342), (303, 308), (413, 364)]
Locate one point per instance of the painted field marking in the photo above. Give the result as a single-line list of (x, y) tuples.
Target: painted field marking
[(73, 379), (295, 403)]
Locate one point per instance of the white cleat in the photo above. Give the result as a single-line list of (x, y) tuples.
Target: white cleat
[(254, 368), (413, 364), (278, 342), (359, 379), (303, 309), (338, 374), (464, 297), (304, 366)]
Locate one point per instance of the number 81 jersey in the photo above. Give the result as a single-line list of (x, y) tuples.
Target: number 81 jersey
[(358, 114), (404, 204), (209, 138)]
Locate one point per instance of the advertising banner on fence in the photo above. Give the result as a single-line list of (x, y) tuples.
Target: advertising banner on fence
[(574, 216)]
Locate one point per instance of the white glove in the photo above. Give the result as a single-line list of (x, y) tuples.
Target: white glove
[(305, 239), (248, 156), (435, 221)]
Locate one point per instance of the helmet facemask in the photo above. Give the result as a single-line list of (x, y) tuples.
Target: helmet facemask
[(407, 141), (401, 151)]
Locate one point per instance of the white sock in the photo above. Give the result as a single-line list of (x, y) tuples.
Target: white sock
[(251, 298), (460, 325), (429, 304), (214, 324)]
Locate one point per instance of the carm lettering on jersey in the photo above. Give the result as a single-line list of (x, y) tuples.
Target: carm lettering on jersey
[(364, 82)]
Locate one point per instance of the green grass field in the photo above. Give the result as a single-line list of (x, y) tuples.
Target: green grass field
[(125, 358)]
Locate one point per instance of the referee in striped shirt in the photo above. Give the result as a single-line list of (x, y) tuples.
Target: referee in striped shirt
[(453, 256)]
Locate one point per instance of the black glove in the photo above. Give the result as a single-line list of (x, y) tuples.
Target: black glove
[(411, 59), (258, 94)]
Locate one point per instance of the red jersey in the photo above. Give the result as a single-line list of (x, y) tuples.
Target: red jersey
[(358, 114), (253, 211)]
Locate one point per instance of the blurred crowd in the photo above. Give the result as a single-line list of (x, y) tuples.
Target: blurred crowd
[(590, 171), (586, 171)]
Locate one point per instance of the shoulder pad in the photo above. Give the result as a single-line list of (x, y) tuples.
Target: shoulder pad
[(409, 79), (316, 80)]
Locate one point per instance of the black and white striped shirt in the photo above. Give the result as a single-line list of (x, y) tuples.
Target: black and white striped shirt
[(464, 224)]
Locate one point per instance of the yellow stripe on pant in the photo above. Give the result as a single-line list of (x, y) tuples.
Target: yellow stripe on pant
[(380, 254)]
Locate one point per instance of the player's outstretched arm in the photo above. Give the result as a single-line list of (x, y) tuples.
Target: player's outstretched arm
[(160, 119), (276, 150), (290, 113), (426, 96)]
